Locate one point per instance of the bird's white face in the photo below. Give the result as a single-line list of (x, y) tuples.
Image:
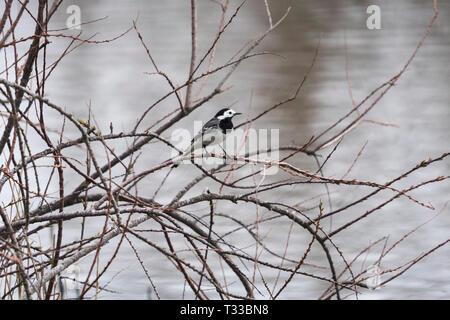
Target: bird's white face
[(228, 114)]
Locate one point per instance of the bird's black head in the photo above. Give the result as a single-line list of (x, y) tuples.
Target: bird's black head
[(226, 113)]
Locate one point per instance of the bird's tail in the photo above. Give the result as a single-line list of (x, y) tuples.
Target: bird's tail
[(177, 160)]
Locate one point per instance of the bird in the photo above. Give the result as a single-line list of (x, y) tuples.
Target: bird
[(212, 133)]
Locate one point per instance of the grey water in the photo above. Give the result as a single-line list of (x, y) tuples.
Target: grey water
[(112, 78)]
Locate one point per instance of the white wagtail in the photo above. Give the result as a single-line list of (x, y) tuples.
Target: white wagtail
[(212, 133)]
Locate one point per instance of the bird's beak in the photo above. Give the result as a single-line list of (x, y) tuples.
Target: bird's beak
[(236, 114)]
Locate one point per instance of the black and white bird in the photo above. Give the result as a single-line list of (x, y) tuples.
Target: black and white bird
[(212, 133)]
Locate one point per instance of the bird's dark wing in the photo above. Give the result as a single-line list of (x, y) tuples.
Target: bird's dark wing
[(211, 124)]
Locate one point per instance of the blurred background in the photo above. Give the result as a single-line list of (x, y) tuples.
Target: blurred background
[(415, 117)]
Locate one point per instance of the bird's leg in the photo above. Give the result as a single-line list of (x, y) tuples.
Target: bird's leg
[(225, 153), (206, 151)]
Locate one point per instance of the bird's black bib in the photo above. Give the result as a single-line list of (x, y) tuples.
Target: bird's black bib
[(225, 124)]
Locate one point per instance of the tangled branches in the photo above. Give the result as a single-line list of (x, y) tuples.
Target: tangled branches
[(194, 230)]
